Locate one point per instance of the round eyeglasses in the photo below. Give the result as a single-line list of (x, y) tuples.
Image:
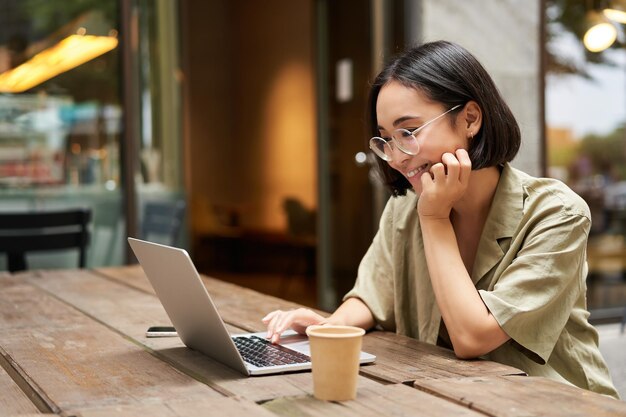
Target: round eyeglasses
[(403, 139)]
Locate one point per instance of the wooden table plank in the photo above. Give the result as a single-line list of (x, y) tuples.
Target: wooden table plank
[(511, 396), (130, 312), (403, 359), (132, 276), (244, 311), (78, 362), (63, 327), (216, 407), (400, 358), (12, 399), (390, 400)]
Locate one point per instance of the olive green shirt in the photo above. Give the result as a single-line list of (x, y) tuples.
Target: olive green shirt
[(530, 271)]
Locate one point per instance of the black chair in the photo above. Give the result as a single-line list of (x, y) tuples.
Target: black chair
[(162, 221), (43, 231)]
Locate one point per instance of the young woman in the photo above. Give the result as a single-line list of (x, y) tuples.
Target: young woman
[(471, 253)]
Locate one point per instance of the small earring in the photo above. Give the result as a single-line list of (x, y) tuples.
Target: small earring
[(471, 135)]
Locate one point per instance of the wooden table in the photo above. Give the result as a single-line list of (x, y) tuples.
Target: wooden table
[(73, 343)]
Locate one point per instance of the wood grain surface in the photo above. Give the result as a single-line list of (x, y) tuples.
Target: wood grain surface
[(130, 311), (74, 343), (515, 396), (79, 362)]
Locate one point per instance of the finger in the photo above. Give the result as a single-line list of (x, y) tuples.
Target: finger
[(439, 172), (298, 320), (271, 327), (466, 165), (284, 322), (275, 336), (269, 316), (453, 166), (427, 181)]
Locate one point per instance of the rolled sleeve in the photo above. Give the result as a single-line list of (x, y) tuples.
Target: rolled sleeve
[(533, 297), (374, 283)]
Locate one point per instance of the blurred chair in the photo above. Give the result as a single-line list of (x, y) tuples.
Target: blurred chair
[(43, 231), (162, 221), (300, 242), (107, 232)]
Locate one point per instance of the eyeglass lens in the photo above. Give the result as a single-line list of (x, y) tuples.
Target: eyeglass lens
[(381, 148), (402, 139)]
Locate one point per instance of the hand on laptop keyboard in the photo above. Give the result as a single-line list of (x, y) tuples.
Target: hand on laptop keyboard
[(278, 321)]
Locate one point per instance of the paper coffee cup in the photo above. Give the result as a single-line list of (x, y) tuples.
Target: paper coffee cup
[(335, 352)]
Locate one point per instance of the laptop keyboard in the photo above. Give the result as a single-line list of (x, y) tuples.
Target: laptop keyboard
[(261, 352)]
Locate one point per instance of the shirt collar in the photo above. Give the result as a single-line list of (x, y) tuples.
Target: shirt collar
[(504, 217), (507, 206)]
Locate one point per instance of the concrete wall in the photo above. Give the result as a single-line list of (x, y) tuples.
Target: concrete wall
[(505, 36)]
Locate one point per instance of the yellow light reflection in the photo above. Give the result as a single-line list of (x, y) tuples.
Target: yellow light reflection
[(600, 37), (69, 53)]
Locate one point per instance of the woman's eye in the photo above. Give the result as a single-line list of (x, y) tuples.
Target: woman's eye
[(405, 133)]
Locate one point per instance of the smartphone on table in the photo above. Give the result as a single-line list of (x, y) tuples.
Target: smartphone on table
[(161, 331)]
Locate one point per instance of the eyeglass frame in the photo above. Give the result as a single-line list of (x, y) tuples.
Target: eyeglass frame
[(412, 133)]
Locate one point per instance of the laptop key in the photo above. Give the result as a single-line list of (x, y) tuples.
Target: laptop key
[(260, 352)]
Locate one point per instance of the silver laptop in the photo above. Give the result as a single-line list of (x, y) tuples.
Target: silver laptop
[(192, 312)]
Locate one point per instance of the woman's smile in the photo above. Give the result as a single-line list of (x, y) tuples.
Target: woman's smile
[(416, 171)]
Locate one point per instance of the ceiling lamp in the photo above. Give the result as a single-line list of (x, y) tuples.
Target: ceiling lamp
[(601, 33), (616, 11), (60, 53)]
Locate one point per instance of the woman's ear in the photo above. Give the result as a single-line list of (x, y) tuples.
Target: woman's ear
[(473, 118)]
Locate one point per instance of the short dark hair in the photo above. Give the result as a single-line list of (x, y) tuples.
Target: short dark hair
[(449, 74)]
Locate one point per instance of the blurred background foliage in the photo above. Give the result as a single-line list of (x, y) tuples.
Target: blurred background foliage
[(569, 16)]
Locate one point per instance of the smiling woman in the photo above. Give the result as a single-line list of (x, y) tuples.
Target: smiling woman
[(437, 86), (471, 253)]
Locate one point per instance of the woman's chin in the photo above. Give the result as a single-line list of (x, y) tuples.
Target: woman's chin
[(416, 181), (417, 187)]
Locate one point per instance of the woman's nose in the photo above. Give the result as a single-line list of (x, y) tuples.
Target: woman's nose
[(398, 158)]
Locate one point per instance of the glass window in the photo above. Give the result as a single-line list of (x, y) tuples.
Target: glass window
[(159, 180), (586, 142), (60, 113)]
